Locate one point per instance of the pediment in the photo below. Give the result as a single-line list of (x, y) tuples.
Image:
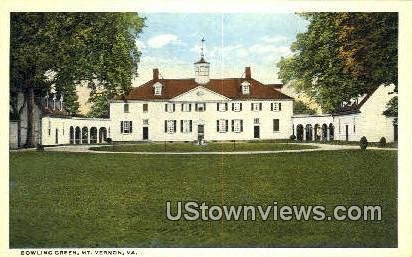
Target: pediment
[(200, 94)]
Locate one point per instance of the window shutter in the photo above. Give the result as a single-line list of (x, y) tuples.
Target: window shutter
[(280, 106), (241, 125), (121, 127), (240, 106), (251, 106), (174, 125), (217, 106), (165, 126), (131, 126), (260, 106), (271, 106), (204, 106), (217, 125), (233, 125), (196, 107), (227, 125), (233, 106), (226, 106), (174, 107), (165, 107), (181, 125), (190, 124), (190, 107), (182, 107)]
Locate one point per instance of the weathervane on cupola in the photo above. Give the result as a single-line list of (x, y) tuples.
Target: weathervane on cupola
[(202, 67)]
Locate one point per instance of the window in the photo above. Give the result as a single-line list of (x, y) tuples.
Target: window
[(256, 106), (256, 121), (245, 88), (186, 107), (276, 125), (276, 107), (145, 107), (222, 126), (49, 128), (170, 126), (158, 89), (146, 122), (236, 107), (237, 126), (185, 126), (125, 107), (222, 107), (170, 107), (200, 107), (126, 127)]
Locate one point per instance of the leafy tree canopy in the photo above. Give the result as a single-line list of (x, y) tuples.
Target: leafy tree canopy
[(95, 49), (66, 49), (300, 107), (342, 55)]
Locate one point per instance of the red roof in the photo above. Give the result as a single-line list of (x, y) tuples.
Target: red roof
[(230, 88)]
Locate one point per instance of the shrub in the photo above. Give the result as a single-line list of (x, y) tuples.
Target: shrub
[(363, 143), (109, 140), (382, 142), (292, 137)]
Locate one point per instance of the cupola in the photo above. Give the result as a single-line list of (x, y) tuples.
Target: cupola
[(202, 68)]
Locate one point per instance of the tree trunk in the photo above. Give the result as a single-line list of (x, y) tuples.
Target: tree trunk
[(29, 95), (18, 133)]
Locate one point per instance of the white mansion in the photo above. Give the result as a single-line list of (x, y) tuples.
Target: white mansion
[(210, 109)]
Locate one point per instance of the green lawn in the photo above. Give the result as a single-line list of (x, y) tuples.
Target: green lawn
[(118, 200), (210, 147)]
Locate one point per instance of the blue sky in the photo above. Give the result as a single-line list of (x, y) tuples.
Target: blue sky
[(171, 42)]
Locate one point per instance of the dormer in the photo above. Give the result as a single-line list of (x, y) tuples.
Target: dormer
[(245, 87), (158, 88)]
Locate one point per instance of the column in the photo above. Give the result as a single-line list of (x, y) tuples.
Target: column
[(304, 133), (327, 134), (313, 133)]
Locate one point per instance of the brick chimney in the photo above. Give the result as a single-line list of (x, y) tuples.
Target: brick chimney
[(155, 74), (248, 73)]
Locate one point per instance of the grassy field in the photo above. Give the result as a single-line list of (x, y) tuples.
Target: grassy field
[(210, 147), (118, 200)]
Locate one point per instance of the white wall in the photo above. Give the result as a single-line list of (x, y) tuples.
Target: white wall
[(369, 122), (61, 126), (13, 144), (156, 115), (373, 124), (23, 123)]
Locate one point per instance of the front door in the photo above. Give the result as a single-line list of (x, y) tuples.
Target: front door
[(145, 133), (200, 132), (256, 132), (347, 132)]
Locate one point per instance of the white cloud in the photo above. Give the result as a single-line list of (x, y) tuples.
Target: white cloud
[(140, 44), (160, 41)]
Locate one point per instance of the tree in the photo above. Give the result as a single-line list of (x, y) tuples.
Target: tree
[(392, 107), (95, 49), (342, 56), (300, 107)]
